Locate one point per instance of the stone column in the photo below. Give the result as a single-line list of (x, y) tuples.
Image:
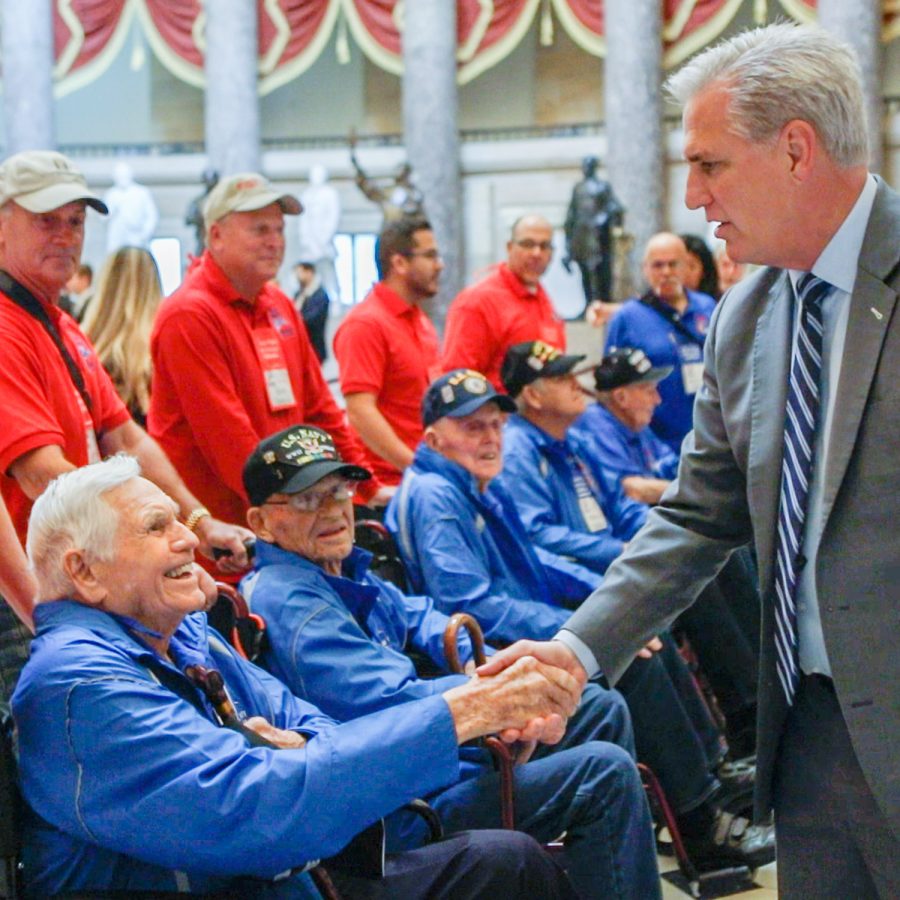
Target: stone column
[(858, 22), (430, 131), (232, 101), (27, 48), (634, 134)]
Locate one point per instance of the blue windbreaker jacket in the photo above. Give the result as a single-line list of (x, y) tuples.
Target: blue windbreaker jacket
[(537, 472), (134, 785), (468, 550), (357, 625), (621, 451)]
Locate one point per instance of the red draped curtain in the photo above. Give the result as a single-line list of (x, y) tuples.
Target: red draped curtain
[(292, 33)]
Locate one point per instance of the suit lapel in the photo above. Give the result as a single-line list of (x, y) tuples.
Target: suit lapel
[(871, 308), (771, 361)]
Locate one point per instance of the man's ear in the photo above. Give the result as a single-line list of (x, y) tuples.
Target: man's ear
[(83, 577), (256, 519), (801, 143), (531, 396), (430, 438)]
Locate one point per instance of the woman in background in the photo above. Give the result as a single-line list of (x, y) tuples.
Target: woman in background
[(700, 269), (118, 322)]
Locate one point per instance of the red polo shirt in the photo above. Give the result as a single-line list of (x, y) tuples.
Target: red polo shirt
[(214, 393), (389, 348), (486, 319), (41, 406)]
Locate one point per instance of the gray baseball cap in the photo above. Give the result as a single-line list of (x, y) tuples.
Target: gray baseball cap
[(43, 180), (246, 192)]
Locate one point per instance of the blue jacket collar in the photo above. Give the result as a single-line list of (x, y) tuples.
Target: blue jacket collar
[(188, 646), (358, 597), (427, 460), (538, 437)]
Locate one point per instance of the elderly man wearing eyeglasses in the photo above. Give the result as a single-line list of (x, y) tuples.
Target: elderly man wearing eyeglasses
[(338, 636)]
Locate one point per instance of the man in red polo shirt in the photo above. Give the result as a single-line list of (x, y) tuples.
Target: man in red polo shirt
[(507, 307), (232, 362), (60, 408), (388, 349)]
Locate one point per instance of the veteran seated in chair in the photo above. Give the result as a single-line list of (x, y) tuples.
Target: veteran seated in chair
[(132, 782), (337, 636)]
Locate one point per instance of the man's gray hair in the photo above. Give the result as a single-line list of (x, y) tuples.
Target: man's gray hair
[(73, 514), (784, 72)]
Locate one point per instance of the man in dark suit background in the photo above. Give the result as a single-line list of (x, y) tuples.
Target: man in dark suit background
[(775, 140)]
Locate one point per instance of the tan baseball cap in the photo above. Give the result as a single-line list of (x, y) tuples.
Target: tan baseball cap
[(43, 180), (246, 192)]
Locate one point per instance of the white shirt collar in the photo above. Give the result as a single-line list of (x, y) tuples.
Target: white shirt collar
[(837, 263)]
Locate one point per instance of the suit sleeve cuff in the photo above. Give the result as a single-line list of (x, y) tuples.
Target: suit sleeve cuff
[(580, 649)]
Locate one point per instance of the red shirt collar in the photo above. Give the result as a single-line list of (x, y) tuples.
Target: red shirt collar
[(391, 301), (516, 285)]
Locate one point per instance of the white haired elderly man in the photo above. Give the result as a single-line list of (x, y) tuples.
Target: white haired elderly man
[(135, 784)]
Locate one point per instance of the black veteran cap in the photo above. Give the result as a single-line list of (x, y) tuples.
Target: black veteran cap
[(527, 362), (626, 365), (460, 393), (292, 460)]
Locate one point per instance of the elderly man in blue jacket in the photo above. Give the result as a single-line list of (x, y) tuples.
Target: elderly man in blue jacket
[(154, 758), (464, 544), (337, 636)]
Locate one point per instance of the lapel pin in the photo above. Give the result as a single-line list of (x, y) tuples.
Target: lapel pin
[(876, 313)]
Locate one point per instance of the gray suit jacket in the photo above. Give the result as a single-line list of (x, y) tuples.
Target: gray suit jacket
[(727, 494)]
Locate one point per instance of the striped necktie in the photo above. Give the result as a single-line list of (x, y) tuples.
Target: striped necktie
[(796, 470)]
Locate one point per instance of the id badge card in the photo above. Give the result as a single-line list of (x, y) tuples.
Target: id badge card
[(691, 367), (90, 436), (593, 516), (270, 354)]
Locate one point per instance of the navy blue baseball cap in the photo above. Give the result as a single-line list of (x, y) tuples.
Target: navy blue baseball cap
[(627, 365), (525, 363), (460, 393)]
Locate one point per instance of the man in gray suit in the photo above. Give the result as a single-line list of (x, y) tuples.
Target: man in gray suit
[(776, 146)]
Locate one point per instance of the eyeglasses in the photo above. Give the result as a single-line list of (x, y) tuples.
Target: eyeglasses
[(529, 244), (430, 255), (311, 501)]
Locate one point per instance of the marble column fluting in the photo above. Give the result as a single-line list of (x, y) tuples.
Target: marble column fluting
[(231, 110), (858, 22), (635, 139), (27, 48), (431, 133)]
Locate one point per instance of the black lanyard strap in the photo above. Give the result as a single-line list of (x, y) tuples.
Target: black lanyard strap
[(671, 316), (22, 297)]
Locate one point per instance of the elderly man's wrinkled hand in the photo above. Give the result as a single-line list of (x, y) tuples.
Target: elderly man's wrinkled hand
[(287, 740), (529, 696)]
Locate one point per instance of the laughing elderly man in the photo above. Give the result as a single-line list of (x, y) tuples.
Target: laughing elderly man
[(135, 784), (337, 639)]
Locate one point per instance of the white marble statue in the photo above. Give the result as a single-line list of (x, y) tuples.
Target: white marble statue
[(132, 212), (318, 224)]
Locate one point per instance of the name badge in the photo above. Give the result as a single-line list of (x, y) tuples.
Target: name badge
[(692, 376), (592, 514), (90, 436), (270, 354)]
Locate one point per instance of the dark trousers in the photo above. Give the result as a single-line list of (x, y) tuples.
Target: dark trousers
[(833, 841), (471, 864), (15, 641)]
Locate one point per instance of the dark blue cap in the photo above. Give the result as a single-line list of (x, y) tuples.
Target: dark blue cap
[(460, 393)]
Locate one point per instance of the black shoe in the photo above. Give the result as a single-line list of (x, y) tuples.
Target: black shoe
[(732, 841)]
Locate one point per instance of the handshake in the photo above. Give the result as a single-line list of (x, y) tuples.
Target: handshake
[(526, 692)]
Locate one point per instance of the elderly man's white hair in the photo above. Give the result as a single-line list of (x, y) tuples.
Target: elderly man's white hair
[(73, 514)]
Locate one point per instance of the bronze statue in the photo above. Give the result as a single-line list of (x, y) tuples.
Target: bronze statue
[(194, 215), (594, 219), (401, 199)]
